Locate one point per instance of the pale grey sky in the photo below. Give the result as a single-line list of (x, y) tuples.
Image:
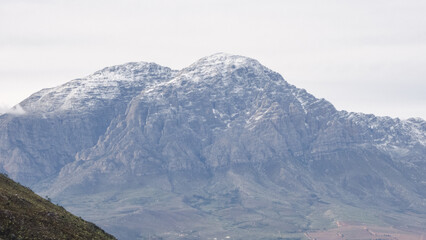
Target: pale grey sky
[(363, 56)]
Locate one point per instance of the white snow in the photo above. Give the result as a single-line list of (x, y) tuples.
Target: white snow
[(105, 85)]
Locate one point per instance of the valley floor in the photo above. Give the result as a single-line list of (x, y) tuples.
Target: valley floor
[(351, 231)]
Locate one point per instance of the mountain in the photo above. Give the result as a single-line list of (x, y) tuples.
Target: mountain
[(24, 215), (223, 148)]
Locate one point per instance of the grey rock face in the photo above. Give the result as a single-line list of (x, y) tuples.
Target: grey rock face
[(59, 122), (223, 146)]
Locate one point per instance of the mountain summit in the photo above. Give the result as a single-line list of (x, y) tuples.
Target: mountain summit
[(224, 147)]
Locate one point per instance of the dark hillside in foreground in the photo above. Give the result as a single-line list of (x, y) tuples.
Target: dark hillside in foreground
[(25, 215)]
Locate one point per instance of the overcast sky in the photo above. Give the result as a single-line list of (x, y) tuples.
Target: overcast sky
[(363, 56)]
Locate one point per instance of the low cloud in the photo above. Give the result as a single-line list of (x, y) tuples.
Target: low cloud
[(3, 109), (16, 110)]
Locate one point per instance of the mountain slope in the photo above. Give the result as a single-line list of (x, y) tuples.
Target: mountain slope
[(24, 215), (226, 147)]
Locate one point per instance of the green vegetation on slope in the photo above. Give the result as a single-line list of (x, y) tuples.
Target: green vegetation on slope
[(25, 215)]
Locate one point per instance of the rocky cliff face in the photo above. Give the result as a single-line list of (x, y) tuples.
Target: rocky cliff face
[(55, 124), (225, 145)]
